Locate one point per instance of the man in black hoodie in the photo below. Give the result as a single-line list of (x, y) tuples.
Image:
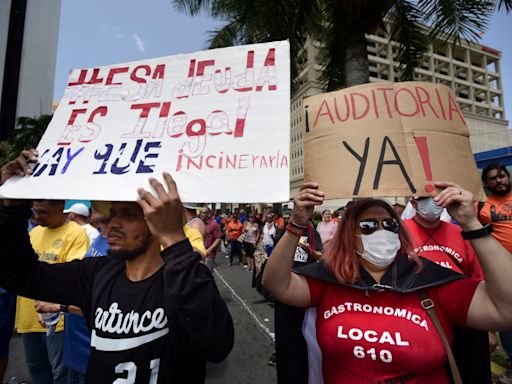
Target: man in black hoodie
[(155, 316)]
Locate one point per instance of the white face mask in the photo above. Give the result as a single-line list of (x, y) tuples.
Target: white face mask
[(428, 209), (381, 247)]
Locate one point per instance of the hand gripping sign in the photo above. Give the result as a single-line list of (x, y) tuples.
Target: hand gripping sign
[(378, 140), (217, 120)]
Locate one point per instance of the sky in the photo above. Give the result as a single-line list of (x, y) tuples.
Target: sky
[(102, 32)]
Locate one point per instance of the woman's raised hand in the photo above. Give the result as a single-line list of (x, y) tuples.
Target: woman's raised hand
[(304, 203)]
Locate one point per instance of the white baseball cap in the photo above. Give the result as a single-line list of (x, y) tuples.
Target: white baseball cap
[(192, 205), (79, 209)]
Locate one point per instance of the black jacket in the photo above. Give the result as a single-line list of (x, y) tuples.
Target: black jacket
[(200, 326)]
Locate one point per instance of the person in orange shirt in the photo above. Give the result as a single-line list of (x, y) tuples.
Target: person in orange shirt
[(279, 223), (497, 211), (233, 231)]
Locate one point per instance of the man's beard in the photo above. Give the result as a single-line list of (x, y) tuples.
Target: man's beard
[(501, 192), (131, 254)]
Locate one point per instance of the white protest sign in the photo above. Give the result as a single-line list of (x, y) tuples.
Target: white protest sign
[(217, 120)]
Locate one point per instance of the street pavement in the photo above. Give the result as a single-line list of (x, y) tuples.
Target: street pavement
[(254, 330), (254, 326)]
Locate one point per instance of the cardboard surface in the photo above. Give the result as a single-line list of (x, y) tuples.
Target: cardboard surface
[(387, 139)]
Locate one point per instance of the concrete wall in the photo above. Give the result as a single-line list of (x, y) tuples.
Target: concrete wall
[(486, 133)]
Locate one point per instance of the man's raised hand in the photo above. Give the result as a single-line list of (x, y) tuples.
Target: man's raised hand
[(164, 212), (19, 166)]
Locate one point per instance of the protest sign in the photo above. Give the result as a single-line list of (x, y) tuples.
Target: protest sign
[(384, 139), (217, 120)]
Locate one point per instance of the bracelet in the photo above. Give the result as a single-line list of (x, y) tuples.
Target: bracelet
[(303, 227), (486, 230), (64, 308), (292, 230)]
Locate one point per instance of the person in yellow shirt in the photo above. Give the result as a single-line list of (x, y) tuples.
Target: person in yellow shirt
[(196, 240), (55, 240)]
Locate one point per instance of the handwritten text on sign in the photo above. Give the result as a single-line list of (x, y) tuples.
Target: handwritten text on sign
[(216, 120), (387, 140)]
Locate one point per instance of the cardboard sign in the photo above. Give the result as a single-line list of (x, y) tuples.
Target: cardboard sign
[(217, 120), (382, 140)]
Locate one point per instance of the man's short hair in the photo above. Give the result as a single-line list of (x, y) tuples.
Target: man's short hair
[(53, 203), (492, 167)]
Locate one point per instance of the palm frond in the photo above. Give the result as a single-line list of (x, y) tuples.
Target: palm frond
[(192, 7), (340, 26), (27, 134), (451, 20), (405, 23), (226, 36), (505, 3)]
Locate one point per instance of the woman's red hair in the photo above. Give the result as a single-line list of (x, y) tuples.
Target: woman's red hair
[(340, 256)]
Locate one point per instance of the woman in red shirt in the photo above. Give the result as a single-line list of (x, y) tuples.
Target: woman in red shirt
[(369, 324)]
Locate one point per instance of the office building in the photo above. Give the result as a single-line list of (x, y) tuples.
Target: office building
[(28, 51), (472, 71)]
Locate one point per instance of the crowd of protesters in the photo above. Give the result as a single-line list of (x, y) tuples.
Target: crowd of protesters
[(378, 264)]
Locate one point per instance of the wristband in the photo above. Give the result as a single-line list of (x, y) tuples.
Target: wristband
[(293, 231), (303, 227), (486, 230), (64, 308)]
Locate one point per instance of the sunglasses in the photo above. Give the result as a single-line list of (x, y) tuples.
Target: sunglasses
[(368, 226)]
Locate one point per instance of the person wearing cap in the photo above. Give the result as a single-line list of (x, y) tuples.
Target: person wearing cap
[(192, 220), (155, 315), (79, 213), (56, 240), (77, 337), (242, 216)]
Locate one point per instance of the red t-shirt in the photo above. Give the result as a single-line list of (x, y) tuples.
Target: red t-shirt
[(445, 246), (497, 211), (212, 233), (385, 337)]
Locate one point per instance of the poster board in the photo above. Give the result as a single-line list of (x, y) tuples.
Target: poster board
[(387, 139), (217, 120)]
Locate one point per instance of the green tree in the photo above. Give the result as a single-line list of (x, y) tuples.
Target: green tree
[(27, 135), (340, 25)]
